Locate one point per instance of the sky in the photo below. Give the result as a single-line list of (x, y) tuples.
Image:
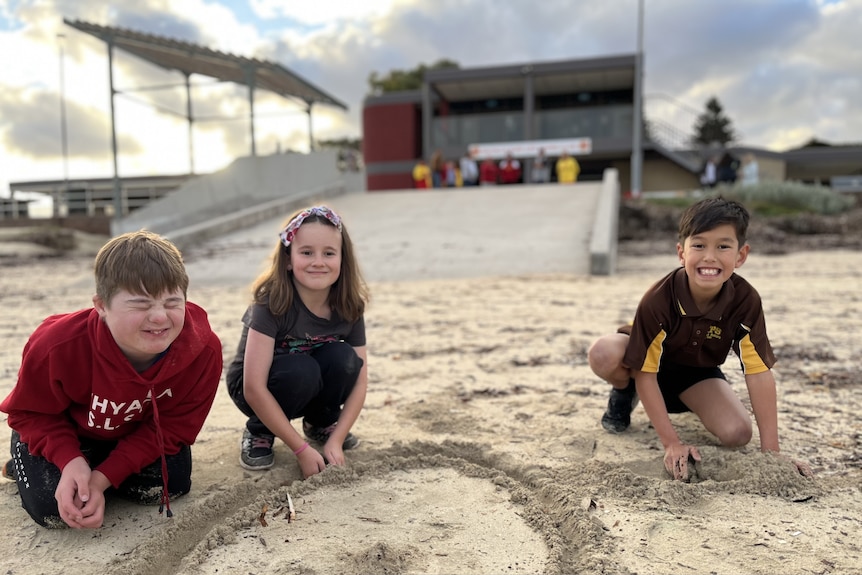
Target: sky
[(785, 71)]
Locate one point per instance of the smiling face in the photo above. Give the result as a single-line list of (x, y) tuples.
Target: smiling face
[(315, 257), (710, 258), (143, 326)]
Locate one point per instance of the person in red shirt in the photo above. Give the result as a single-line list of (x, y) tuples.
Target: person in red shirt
[(510, 170), (111, 397), (488, 173)]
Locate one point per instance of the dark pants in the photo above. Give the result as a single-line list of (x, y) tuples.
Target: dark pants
[(312, 385), (674, 379), (37, 478)]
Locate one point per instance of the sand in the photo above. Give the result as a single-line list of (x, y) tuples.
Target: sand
[(481, 445)]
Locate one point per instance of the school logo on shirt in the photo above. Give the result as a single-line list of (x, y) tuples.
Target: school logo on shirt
[(714, 332)]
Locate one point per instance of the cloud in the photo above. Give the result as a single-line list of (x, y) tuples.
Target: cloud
[(784, 70), (37, 127), (321, 12)]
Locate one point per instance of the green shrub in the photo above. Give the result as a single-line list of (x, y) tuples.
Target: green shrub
[(785, 198)]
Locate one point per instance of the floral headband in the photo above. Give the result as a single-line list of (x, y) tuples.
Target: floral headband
[(289, 231)]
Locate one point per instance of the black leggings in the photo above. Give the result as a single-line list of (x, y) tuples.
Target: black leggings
[(312, 385), (37, 478)]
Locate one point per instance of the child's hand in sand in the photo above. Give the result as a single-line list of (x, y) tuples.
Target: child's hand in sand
[(333, 452), (803, 468), (310, 462), (676, 459)]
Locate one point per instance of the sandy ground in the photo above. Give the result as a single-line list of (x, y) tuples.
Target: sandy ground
[(481, 448)]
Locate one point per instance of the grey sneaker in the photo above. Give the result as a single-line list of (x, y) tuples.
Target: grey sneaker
[(321, 435), (621, 403), (256, 451)]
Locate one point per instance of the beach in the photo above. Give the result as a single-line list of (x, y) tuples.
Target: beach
[(481, 446)]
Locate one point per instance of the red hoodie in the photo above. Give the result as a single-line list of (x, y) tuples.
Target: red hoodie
[(75, 381)]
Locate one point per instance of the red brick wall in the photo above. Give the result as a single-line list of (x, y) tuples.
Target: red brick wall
[(389, 133), (389, 181)]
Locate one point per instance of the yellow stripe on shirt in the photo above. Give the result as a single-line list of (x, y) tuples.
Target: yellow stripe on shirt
[(653, 355), (752, 363)]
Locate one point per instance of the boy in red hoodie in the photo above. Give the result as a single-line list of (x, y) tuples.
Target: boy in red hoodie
[(113, 396)]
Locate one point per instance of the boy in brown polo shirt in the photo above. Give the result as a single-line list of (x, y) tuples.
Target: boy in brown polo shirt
[(683, 329)]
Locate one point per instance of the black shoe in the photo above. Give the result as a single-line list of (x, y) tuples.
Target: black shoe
[(9, 470), (321, 435), (256, 451), (621, 403)]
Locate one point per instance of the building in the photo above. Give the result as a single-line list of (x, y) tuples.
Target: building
[(14, 208), (589, 99)]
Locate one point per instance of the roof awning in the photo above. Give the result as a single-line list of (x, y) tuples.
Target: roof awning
[(549, 78), (191, 58)]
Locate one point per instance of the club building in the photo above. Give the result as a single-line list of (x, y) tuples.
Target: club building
[(584, 106), (564, 101)]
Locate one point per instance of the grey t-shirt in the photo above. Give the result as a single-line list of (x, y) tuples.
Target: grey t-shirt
[(299, 330)]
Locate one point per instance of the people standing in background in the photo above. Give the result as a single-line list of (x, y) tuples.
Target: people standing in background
[(567, 169), (726, 170), (541, 172), (750, 170), (488, 173), (469, 170), (453, 175), (709, 175), (438, 169), (510, 170), (422, 175)]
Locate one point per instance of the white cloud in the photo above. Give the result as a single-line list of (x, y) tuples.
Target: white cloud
[(785, 70), (322, 12)]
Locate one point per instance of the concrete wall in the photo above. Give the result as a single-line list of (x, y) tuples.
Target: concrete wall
[(603, 239), (659, 174), (244, 184), (771, 169)]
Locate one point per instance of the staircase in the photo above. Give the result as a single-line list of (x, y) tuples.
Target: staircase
[(669, 128)]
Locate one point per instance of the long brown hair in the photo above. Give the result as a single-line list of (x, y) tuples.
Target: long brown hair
[(347, 296)]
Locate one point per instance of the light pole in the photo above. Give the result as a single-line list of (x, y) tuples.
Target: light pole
[(63, 137), (637, 128)]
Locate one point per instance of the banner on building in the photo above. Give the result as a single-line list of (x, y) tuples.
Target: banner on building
[(530, 148)]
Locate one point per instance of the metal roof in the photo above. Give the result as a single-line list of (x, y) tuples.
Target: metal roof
[(195, 59), (549, 78)]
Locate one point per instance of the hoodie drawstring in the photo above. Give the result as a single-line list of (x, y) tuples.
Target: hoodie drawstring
[(166, 500)]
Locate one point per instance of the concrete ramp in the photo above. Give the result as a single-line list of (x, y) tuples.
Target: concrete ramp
[(447, 233), (248, 185)]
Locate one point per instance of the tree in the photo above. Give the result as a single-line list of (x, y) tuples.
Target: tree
[(713, 126), (339, 143), (815, 143), (400, 80)]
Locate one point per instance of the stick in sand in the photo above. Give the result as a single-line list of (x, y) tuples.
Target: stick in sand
[(291, 515)]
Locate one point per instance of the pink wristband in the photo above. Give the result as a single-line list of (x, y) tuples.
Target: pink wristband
[(301, 449)]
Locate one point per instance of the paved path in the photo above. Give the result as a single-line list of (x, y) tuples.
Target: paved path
[(412, 235)]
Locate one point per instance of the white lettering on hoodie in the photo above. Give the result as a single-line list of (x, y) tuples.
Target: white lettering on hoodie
[(110, 415)]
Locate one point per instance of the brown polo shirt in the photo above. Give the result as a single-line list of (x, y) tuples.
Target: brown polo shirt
[(668, 327)]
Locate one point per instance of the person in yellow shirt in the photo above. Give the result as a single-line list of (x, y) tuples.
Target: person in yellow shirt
[(421, 175), (567, 169)]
